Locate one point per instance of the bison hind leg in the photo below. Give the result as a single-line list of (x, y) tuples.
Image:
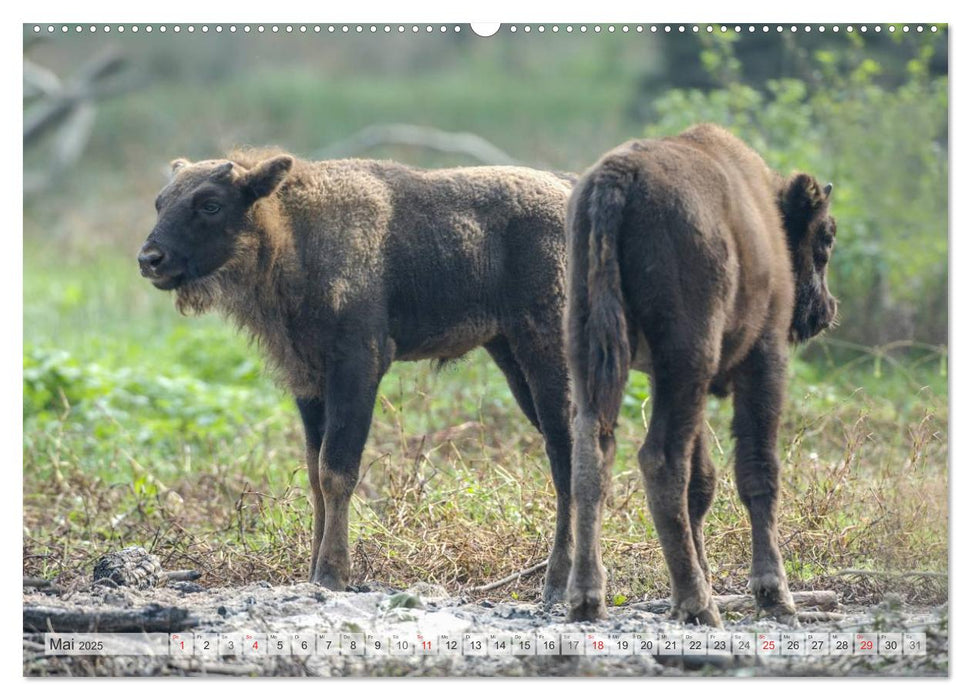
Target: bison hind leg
[(678, 475), (593, 451)]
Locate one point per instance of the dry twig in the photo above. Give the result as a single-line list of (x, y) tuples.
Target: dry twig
[(510, 578)]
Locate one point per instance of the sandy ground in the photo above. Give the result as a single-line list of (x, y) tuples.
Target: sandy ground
[(428, 610)]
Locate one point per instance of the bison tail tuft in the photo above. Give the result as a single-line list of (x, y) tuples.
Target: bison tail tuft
[(608, 346)]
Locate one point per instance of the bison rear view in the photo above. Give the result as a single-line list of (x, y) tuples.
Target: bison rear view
[(339, 268), (691, 260)]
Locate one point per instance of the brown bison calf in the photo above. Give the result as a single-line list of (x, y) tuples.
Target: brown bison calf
[(689, 259), (339, 268)]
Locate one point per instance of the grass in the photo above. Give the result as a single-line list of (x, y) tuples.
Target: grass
[(144, 427)]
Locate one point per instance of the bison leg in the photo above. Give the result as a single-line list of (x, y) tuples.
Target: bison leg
[(759, 387), (312, 413), (552, 394), (351, 385), (701, 492), (680, 387), (537, 374), (593, 453), (498, 348)]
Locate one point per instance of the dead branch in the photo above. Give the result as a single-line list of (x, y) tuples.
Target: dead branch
[(66, 109), (154, 618), (35, 582), (824, 601), (510, 578), (890, 574), (83, 87), (182, 575), (39, 81), (370, 137), (220, 668)]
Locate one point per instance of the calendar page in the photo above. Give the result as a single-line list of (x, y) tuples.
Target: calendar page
[(611, 349)]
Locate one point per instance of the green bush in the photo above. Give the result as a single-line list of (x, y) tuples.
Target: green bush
[(138, 405), (885, 150)]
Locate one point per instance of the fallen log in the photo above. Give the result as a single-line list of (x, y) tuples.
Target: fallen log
[(823, 601), (819, 616), (154, 618), (35, 582), (165, 577)]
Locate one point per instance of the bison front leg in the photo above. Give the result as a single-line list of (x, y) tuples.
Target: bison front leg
[(759, 388), (312, 413), (351, 389)]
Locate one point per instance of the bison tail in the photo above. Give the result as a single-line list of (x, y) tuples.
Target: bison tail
[(608, 346)]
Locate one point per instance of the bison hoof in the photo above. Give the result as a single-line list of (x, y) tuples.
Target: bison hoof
[(707, 615), (557, 578), (330, 580), (553, 594), (587, 606), (773, 598)]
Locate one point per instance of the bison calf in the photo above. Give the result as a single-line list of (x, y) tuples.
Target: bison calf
[(339, 268), (691, 260)]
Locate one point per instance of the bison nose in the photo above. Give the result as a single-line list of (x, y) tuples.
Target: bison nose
[(149, 259)]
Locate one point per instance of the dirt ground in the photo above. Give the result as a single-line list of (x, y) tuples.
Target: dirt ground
[(430, 610)]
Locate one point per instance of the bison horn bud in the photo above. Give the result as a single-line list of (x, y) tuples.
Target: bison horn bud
[(828, 189), (222, 171), (178, 164)]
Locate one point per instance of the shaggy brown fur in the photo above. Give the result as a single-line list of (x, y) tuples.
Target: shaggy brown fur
[(691, 260), (339, 268)]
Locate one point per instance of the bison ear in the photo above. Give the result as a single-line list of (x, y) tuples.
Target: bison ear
[(177, 164), (263, 179)]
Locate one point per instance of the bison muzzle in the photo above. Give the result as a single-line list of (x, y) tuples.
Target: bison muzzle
[(339, 268), (691, 260)]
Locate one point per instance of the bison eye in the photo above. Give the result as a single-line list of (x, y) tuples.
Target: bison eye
[(211, 208)]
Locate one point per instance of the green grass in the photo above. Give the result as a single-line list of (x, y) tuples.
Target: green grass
[(142, 426)]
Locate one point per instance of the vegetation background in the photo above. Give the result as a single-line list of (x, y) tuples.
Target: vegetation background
[(145, 427)]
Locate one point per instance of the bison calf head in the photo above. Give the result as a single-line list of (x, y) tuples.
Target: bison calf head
[(811, 234), (205, 218)]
